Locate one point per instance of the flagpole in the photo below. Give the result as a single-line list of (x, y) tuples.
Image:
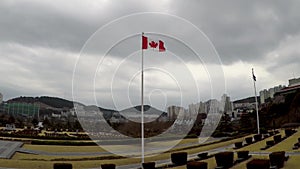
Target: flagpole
[(142, 106), (256, 104)]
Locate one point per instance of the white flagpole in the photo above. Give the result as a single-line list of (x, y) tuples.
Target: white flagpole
[(142, 106), (256, 105)]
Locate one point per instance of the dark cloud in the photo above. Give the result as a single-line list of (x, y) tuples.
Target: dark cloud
[(245, 30), (41, 40), (36, 24)]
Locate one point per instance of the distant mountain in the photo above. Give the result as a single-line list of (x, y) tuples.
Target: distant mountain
[(60, 103), (147, 110), (150, 113), (51, 101)]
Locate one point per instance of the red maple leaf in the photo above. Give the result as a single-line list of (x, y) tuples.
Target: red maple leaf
[(153, 44)]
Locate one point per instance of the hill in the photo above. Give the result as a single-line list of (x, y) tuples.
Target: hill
[(247, 100), (137, 110), (51, 101), (284, 108)]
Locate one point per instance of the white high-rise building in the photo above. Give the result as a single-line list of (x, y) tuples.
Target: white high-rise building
[(176, 112), (225, 104), (213, 106), (269, 94), (194, 110), (294, 82)]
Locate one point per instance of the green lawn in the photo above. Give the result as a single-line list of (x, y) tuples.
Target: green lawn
[(40, 161), (258, 145), (287, 144), (21, 160)]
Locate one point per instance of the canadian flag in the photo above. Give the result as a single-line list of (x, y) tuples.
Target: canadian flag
[(153, 44)]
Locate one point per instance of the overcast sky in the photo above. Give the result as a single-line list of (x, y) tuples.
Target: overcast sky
[(211, 48)]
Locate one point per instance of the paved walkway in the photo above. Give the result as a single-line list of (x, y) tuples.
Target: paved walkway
[(8, 148)]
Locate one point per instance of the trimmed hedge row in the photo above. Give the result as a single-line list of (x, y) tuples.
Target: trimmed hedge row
[(277, 138), (249, 140), (277, 158), (179, 158), (62, 166), (196, 165), (257, 137), (42, 137), (243, 154), (108, 166), (66, 143), (270, 143), (258, 164), (149, 165), (289, 132), (203, 155), (238, 144), (224, 159)]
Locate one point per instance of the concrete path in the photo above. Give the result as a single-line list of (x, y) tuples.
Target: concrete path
[(8, 148)]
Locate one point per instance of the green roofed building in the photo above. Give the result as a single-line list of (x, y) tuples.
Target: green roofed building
[(22, 109)]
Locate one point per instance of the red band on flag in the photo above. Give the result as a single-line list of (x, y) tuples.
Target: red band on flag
[(161, 46), (144, 42)]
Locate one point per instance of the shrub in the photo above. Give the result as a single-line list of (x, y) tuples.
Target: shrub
[(271, 133), (243, 154), (179, 158), (263, 130), (108, 166), (266, 135), (62, 166), (288, 132), (196, 165), (270, 143), (296, 146), (277, 138), (191, 136), (277, 158), (258, 164), (218, 134), (149, 165), (257, 137), (238, 144), (248, 140), (224, 159), (35, 136), (66, 143), (202, 155)]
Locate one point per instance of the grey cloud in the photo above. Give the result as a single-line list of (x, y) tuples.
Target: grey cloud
[(49, 35), (245, 30)]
